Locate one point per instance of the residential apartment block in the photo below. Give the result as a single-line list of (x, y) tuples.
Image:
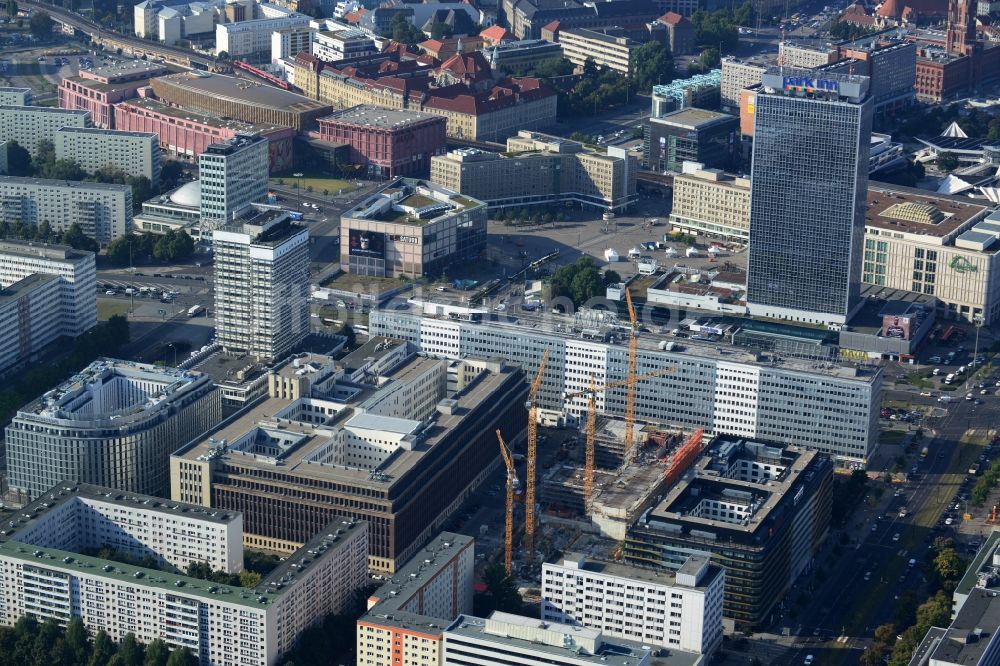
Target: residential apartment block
[(75, 269), (737, 75), (760, 510), (939, 245), (289, 42), (133, 153), (833, 410), (540, 168), (44, 572), (30, 314), (102, 210), (114, 423), (15, 96), (411, 227), (30, 124), (407, 616), (383, 434), (711, 202), (681, 610), (261, 285)]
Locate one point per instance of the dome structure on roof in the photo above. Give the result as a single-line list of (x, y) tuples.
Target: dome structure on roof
[(188, 194)]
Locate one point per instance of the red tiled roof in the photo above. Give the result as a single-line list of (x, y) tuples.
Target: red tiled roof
[(552, 26), (671, 18), (472, 65), (355, 16), (496, 33)]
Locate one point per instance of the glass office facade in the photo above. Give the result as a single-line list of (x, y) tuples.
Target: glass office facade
[(807, 211)]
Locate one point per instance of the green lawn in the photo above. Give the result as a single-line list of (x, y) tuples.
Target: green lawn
[(319, 184), (107, 309)]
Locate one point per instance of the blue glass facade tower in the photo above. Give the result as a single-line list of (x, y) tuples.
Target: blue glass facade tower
[(808, 196)]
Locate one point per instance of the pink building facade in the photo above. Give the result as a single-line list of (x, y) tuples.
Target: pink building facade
[(98, 98), (389, 142)]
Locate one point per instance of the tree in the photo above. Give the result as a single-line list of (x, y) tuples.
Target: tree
[(612, 277), (131, 651), (103, 649), (348, 332), (182, 657), (157, 653), (77, 642), (948, 565), (579, 281), (652, 64), (440, 30), (402, 30), (709, 58), (249, 579), (170, 174), (76, 239), (947, 161), (18, 160), (118, 251), (41, 24), (501, 591)]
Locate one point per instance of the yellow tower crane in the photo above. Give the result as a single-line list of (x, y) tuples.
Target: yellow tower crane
[(508, 553), (591, 393), (529, 483), (633, 353)]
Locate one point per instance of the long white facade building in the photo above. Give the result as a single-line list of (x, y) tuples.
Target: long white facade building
[(252, 39), (44, 573), (722, 389), (134, 153), (102, 210), (28, 125), (681, 610), (115, 424)]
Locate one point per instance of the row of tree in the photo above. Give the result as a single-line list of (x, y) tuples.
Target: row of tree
[(985, 483), (44, 232), (170, 247), (33, 643), (204, 571), (580, 281)]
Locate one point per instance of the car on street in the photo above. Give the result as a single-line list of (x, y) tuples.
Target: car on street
[(808, 660), (949, 520), (895, 537), (110, 292), (868, 575)]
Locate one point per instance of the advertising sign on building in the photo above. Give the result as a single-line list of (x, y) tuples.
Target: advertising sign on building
[(364, 243), (894, 326)]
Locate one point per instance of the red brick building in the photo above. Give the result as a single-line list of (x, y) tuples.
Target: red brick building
[(389, 142)]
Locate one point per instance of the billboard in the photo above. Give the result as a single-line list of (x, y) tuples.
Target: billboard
[(894, 326), (362, 243)]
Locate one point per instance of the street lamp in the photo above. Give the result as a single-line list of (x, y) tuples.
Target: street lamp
[(977, 320), (299, 176), (171, 344)]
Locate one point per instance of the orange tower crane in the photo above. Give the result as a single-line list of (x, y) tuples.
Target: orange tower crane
[(591, 393), (508, 557), (633, 353), (529, 484)]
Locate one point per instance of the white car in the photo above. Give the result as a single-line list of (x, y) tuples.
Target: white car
[(895, 537), (809, 660), (948, 520), (110, 292)]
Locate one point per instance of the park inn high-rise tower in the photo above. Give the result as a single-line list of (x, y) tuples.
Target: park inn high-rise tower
[(809, 181)]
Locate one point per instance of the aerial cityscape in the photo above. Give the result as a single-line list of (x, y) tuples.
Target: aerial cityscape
[(500, 333)]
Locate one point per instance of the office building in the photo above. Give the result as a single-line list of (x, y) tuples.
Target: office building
[(736, 76), (15, 96), (103, 211), (805, 259), (188, 133), (76, 270), (514, 640), (540, 169), (233, 175), (834, 410), (712, 203), (261, 284), (511, 57), (30, 124), (133, 153), (411, 227), (48, 573), (680, 610), (526, 18), (378, 434), (230, 97), (761, 511), (693, 135), (943, 246), (333, 45), (387, 142), (289, 42), (608, 48), (407, 616), (114, 423), (170, 21), (251, 40), (890, 63)]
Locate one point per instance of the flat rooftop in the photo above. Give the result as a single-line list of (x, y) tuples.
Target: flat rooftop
[(919, 212), (693, 118), (77, 184), (101, 86), (972, 631), (43, 251), (218, 85), (656, 577), (129, 68), (982, 561), (760, 497), (373, 116), (881, 300), (97, 131), (309, 437), (239, 126), (25, 286), (374, 349), (48, 110), (561, 326)]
